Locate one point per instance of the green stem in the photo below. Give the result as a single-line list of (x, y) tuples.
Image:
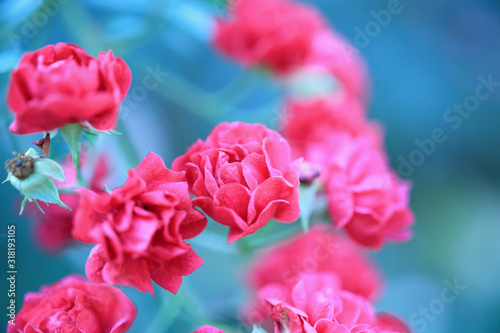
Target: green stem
[(10, 137), (171, 306), (193, 99), (127, 145), (79, 176), (239, 88), (166, 314), (188, 96), (151, 24)]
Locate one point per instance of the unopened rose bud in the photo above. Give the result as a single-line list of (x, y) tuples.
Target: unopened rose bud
[(34, 177)]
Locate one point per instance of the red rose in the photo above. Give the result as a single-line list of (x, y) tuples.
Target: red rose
[(365, 196), (242, 177), (59, 85), (140, 229), (52, 230), (277, 34), (334, 54), (75, 305), (315, 129), (320, 250), (315, 304)]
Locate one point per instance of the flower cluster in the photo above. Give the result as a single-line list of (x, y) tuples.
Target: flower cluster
[(325, 118), (243, 176), (322, 282)]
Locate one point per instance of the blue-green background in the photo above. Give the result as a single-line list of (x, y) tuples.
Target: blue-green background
[(427, 58)]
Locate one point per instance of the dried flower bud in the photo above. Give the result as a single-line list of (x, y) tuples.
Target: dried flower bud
[(21, 166), (34, 177)]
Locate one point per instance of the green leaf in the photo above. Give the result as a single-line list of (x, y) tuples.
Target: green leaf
[(89, 132), (38, 205), (50, 168), (72, 134), (14, 181), (307, 194), (36, 187), (22, 205), (39, 187), (31, 152), (94, 131)]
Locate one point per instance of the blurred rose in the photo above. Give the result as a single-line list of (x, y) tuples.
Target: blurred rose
[(332, 69), (52, 229), (319, 250), (276, 34), (317, 128), (365, 196), (316, 304)]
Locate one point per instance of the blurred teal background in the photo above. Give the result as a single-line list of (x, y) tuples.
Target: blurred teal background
[(422, 61)]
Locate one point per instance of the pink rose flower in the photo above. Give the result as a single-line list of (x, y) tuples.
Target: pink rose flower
[(333, 53), (242, 176), (281, 42), (317, 305), (75, 305), (140, 229), (364, 195), (61, 84), (319, 251), (366, 198), (316, 128), (52, 229)]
